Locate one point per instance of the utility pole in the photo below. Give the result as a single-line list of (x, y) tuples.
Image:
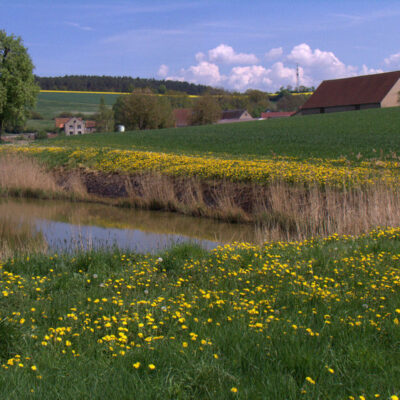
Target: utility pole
[(297, 78)]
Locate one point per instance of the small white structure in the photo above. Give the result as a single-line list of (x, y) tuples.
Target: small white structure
[(121, 128)]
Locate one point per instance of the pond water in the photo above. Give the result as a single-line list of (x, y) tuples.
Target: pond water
[(54, 226)]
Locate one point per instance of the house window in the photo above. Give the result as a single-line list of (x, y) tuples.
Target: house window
[(71, 127), (79, 132), (71, 132), (79, 127)]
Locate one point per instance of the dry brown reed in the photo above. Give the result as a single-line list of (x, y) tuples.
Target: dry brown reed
[(282, 211), (22, 173), (26, 177)]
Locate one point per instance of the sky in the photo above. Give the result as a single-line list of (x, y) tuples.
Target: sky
[(232, 44)]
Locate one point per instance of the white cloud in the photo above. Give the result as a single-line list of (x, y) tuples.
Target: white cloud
[(393, 61), (315, 65), (368, 71), (254, 76), (200, 56), (163, 71), (273, 54), (319, 64), (226, 55), (204, 72), (79, 26)]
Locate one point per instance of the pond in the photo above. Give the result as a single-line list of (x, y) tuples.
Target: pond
[(54, 226)]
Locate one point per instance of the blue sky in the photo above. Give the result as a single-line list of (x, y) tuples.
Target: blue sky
[(232, 44)]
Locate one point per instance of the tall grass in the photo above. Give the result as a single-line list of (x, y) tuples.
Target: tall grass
[(281, 210), (25, 177)]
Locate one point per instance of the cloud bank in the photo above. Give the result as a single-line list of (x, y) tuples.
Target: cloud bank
[(222, 66)]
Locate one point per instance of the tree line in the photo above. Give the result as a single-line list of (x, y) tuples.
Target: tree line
[(119, 84)]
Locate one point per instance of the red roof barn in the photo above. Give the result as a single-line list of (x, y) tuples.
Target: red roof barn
[(357, 93)]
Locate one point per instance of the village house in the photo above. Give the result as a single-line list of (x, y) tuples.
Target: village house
[(357, 93), (235, 116), (75, 125)]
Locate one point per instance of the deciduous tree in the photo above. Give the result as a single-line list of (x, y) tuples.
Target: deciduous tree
[(206, 110), (18, 90), (104, 118), (143, 110)]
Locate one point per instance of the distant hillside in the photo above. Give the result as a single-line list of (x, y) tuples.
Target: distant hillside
[(119, 84)]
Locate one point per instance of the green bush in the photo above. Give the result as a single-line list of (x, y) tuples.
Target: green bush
[(41, 135)]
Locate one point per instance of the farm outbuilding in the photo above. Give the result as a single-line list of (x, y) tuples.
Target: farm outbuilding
[(357, 93), (235, 116)]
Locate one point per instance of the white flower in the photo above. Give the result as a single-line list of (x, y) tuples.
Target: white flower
[(159, 259), (146, 291), (95, 276)]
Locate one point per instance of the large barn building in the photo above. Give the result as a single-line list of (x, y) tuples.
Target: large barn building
[(357, 93)]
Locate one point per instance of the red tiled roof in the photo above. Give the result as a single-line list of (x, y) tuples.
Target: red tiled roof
[(277, 114), (182, 116), (60, 122), (232, 114), (367, 89)]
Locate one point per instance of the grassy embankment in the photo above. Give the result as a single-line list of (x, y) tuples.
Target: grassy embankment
[(306, 320), (300, 176)]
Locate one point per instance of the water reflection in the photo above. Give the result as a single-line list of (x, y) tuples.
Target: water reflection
[(61, 225)]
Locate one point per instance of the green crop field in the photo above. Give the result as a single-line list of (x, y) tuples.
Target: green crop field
[(355, 135), (49, 105)]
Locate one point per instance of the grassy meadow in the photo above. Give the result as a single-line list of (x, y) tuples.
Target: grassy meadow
[(302, 320), (317, 318)]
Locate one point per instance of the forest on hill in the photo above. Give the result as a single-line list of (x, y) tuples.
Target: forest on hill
[(120, 84)]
